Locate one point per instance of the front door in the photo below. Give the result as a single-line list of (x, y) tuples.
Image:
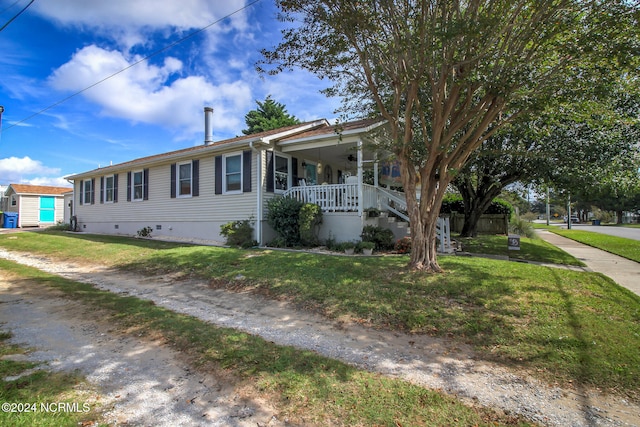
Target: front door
[(47, 209)]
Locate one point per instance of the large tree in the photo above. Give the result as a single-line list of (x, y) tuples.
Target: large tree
[(588, 147), (445, 74), (269, 115)]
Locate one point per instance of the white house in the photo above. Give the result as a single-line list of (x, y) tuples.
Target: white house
[(36, 205), (190, 193)]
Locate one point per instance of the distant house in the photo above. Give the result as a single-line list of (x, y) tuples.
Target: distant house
[(36, 205), (190, 193)]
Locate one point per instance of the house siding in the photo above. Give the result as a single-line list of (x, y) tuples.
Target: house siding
[(196, 217)]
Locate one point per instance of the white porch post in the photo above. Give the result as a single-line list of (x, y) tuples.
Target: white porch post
[(360, 192)]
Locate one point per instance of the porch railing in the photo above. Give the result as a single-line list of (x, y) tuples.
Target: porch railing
[(335, 197), (345, 197)]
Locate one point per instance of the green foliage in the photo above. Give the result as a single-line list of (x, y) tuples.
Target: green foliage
[(381, 237), (283, 215), (144, 232), (454, 203), (310, 217), (239, 233), (522, 227), (269, 115)]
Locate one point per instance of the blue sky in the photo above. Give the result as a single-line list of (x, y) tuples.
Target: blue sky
[(57, 48)]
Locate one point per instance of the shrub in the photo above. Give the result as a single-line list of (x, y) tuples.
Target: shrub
[(403, 246), (453, 203), (381, 237), (144, 232), (522, 227), (239, 233), (310, 217), (283, 216)]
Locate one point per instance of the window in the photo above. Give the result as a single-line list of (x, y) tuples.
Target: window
[(14, 200), (109, 185), (87, 192), (232, 173), (281, 173), (184, 179), (137, 188)]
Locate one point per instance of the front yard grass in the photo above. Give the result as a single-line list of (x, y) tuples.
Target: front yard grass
[(33, 394), (535, 249), (626, 248), (307, 389), (563, 326)]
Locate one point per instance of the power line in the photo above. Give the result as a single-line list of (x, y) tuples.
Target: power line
[(16, 15), (151, 55)]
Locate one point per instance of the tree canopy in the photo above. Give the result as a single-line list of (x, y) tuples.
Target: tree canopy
[(447, 75), (269, 115)]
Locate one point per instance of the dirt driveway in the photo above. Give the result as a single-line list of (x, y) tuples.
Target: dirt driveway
[(177, 395)]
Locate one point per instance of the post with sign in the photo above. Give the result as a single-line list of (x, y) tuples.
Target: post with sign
[(513, 242)]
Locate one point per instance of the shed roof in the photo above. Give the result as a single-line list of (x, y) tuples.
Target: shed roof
[(38, 189)]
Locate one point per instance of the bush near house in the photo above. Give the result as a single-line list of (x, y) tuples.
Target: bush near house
[(239, 233), (294, 221)]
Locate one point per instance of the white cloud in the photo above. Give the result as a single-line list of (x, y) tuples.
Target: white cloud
[(128, 20), (149, 93), (16, 170)]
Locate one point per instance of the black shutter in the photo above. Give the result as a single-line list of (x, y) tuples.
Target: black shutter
[(93, 191), (218, 173), (128, 186), (195, 174), (270, 167), (81, 198), (173, 180), (294, 171), (246, 171), (115, 188), (145, 184), (102, 189)]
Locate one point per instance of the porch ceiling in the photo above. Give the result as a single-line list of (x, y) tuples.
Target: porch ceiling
[(336, 154)]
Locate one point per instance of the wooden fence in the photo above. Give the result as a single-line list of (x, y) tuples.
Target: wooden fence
[(488, 224)]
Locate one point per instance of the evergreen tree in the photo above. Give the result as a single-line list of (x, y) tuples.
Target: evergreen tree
[(269, 115)]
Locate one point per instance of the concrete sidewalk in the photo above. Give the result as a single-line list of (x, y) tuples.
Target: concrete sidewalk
[(623, 271)]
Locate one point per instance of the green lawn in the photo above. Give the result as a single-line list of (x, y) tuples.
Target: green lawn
[(564, 326), (306, 388), (530, 249), (627, 248), (35, 390)]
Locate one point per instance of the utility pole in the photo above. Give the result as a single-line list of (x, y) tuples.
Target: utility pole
[(548, 207), (569, 212)]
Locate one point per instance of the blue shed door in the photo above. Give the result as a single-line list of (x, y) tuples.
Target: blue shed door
[(47, 209)]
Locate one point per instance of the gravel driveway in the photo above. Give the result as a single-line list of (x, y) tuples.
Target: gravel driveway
[(430, 362)]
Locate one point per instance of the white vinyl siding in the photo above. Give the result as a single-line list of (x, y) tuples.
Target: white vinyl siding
[(202, 213)]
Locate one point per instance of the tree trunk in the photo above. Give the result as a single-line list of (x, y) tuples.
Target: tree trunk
[(619, 217)]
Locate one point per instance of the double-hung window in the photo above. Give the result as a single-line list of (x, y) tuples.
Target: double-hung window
[(184, 179), (137, 187), (281, 173), (87, 192), (109, 186), (232, 173)]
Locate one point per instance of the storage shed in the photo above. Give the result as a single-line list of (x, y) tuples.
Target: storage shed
[(36, 205)]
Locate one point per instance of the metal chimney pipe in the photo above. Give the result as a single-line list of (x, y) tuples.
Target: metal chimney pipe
[(208, 125)]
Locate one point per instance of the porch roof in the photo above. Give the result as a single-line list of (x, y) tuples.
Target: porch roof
[(340, 131)]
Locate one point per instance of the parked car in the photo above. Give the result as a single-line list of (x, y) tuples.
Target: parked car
[(574, 219)]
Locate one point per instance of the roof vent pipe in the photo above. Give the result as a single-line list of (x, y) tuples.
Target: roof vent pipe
[(208, 126)]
